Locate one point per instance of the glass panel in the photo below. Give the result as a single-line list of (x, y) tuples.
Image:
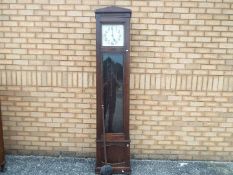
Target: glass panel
[(113, 91)]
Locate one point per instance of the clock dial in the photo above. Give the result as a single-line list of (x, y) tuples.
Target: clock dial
[(112, 35)]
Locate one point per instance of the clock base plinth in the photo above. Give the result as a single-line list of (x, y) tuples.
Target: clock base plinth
[(118, 155)]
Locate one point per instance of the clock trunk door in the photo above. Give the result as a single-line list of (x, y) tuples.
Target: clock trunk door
[(113, 84), (112, 63), (112, 91)]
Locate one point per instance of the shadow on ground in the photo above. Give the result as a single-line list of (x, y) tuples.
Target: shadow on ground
[(39, 165)]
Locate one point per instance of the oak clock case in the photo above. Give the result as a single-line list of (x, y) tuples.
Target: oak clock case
[(112, 87)]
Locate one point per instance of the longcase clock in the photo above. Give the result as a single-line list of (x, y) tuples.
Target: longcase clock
[(112, 75)]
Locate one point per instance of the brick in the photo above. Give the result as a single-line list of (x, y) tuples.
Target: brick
[(180, 10), (74, 13), (139, 3)]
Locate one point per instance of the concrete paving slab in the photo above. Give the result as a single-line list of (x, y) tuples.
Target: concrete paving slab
[(41, 165)]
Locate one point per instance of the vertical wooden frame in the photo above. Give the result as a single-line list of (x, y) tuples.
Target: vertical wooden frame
[(118, 143), (2, 151)]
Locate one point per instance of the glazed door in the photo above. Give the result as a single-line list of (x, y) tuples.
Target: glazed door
[(113, 91)]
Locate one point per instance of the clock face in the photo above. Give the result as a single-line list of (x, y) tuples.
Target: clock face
[(112, 35)]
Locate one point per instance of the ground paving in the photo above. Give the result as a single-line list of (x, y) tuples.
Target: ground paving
[(40, 165)]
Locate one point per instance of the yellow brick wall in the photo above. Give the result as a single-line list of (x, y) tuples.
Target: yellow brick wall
[(181, 82)]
